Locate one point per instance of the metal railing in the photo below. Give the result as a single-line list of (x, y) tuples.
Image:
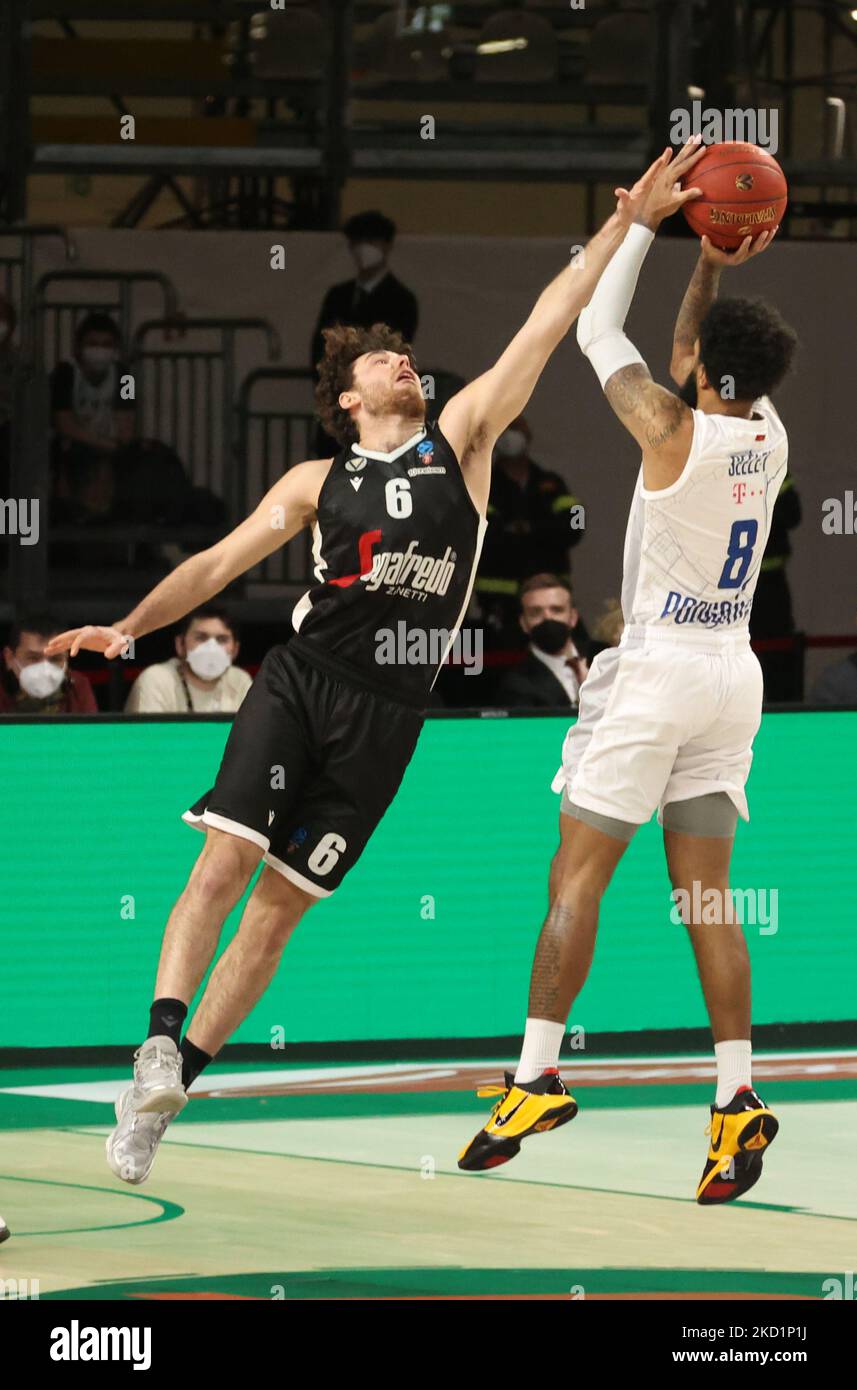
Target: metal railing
[(186, 394), (113, 292), (272, 436), (16, 272)]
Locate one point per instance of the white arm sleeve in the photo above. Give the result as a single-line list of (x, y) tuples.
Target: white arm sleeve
[(600, 324)]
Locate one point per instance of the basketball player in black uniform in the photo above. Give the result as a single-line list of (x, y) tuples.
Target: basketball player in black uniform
[(322, 740)]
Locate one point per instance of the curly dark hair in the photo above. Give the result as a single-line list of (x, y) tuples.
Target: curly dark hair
[(747, 340), (342, 346)]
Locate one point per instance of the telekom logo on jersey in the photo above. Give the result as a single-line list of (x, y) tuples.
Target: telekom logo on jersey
[(426, 573)]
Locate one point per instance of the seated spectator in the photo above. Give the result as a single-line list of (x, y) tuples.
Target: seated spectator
[(837, 684), (91, 422), (553, 670), (529, 529), (609, 627), (9, 361), (31, 683), (201, 677)]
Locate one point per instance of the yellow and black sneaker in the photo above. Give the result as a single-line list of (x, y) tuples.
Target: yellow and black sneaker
[(531, 1107), (740, 1132)]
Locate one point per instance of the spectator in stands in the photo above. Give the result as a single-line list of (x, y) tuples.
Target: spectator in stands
[(837, 684), (771, 615), (529, 529), (201, 678), (9, 360), (31, 683), (553, 670), (92, 421), (373, 296), (609, 627)]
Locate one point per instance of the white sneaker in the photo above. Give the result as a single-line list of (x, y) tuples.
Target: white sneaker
[(145, 1108), (4, 1231)]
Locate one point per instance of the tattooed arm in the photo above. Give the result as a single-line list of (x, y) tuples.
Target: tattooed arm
[(701, 294), (661, 423), (698, 299)]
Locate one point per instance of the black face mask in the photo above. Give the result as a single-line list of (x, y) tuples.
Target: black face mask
[(550, 636), (687, 392)]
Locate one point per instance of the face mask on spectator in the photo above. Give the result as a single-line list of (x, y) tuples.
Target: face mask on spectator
[(209, 660), (41, 679), (511, 444), (550, 636), (98, 359), (366, 255)]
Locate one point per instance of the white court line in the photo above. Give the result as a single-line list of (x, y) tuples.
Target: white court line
[(606, 1069)]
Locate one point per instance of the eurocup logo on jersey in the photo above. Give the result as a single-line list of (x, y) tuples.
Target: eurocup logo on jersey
[(425, 454)]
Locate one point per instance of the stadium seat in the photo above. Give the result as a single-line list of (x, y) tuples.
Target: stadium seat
[(386, 54), (537, 62), (621, 50), (289, 43)]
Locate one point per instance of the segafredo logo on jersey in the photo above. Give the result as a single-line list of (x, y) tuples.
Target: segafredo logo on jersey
[(409, 569)]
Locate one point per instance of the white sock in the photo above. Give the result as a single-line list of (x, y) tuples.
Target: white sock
[(733, 1068), (542, 1042)]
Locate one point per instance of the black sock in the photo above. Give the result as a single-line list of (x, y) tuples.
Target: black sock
[(193, 1061), (166, 1017)]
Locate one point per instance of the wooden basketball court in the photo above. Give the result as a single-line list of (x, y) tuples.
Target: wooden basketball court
[(339, 1182)]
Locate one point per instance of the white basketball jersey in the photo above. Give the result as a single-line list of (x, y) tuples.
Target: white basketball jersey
[(693, 551)]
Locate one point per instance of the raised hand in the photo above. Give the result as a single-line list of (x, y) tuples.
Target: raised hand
[(108, 640), (664, 194), (630, 202), (750, 246)]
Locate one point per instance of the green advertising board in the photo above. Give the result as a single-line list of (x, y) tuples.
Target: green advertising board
[(432, 934)]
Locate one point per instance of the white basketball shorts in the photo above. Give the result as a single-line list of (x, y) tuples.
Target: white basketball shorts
[(663, 717)]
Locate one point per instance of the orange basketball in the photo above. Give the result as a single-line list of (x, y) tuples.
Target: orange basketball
[(744, 192)]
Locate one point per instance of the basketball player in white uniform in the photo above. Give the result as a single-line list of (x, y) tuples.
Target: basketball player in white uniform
[(667, 719)]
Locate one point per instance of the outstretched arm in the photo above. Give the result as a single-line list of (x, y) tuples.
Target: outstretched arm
[(286, 509), (701, 294), (658, 420), (482, 409)]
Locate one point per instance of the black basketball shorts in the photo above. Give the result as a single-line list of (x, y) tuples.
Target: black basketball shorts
[(310, 767)]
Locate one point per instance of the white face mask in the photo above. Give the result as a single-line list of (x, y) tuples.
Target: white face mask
[(98, 358), (511, 444), (41, 679), (366, 255), (209, 660)]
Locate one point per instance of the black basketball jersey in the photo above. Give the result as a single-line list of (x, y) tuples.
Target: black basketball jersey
[(395, 548)]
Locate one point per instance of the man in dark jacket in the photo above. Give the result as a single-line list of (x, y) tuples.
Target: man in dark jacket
[(373, 296), (534, 519), (552, 672)]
